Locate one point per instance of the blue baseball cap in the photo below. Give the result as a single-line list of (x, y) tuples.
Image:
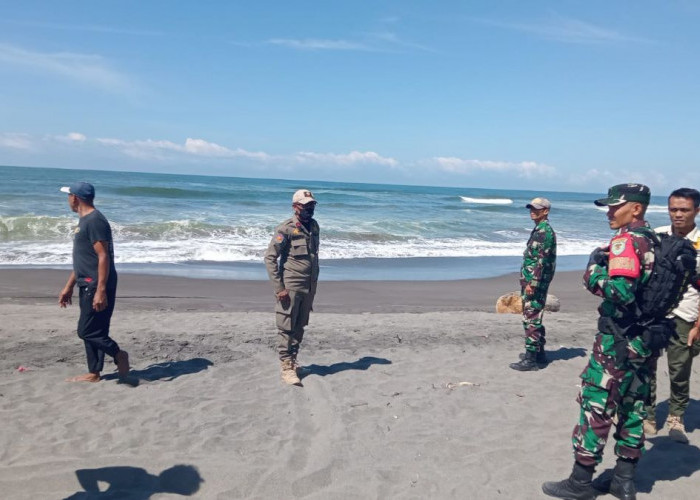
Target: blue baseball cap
[(83, 190)]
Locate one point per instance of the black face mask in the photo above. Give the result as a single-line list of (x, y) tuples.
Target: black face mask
[(306, 213)]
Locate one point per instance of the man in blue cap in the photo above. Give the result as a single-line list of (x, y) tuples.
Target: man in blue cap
[(96, 277)]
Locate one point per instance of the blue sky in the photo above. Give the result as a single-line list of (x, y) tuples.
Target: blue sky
[(564, 95)]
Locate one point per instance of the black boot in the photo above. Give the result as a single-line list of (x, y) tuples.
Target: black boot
[(622, 484), (528, 363), (540, 358), (577, 487)]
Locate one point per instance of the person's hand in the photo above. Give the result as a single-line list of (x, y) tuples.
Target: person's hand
[(65, 298), (529, 290), (99, 301), (599, 256), (693, 334), (283, 297)]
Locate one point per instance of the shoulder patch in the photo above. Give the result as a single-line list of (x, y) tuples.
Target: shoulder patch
[(623, 259), (617, 246), (279, 238), (696, 243)]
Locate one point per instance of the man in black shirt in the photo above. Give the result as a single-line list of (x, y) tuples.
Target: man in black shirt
[(96, 277)]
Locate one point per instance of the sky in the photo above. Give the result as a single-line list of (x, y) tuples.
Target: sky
[(560, 95)]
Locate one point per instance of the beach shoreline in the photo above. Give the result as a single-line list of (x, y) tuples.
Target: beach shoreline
[(408, 395), (145, 291)]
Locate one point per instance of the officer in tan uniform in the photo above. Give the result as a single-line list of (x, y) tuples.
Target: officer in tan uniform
[(292, 264)]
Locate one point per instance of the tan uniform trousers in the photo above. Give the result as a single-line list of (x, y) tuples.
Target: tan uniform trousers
[(292, 316)]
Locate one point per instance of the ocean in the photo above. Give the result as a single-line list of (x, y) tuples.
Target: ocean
[(219, 227)]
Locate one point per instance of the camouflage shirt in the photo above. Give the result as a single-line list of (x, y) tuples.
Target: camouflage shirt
[(291, 258), (629, 266), (539, 258)]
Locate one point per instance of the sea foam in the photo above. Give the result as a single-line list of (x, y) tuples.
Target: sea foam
[(487, 201)]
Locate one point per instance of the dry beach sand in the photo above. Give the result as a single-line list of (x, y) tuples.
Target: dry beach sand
[(409, 396)]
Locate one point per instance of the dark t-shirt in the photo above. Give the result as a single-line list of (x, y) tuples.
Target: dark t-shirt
[(92, 228)]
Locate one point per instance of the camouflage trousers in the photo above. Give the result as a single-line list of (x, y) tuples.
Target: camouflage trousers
[(533, 310), (612, 389)]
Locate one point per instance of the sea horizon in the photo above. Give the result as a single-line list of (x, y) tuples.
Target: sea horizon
[(219, 226), (283, 179)]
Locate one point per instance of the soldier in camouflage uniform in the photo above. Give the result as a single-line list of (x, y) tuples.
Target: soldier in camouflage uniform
[(536, 273), (292, 264), (615, 383)]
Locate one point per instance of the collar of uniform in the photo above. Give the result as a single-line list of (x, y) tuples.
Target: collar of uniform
[(664, 230), (634, 225), (299, 225), (693, 235)]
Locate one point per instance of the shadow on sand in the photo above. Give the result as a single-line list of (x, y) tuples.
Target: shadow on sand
[(168, 371), (566, 353), (361, 364), (135, 483), (667, 460), (691, 418)]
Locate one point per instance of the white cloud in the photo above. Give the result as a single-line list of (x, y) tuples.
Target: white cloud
[(461, 166), (393, 40), (70, 138), (86, 69), (657, 180), (603, 178), (352, 158), (378, 41), (592, 175), (318, 44), (193, 149), (76, 136), (13, 140), (204, 148), (150, 149), (162, 149), (568, 30), (144, 150)]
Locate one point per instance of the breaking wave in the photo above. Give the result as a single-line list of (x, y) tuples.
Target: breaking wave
[(487, 201)]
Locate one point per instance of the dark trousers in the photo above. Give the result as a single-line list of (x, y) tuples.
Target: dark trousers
[(680, 363), (680, 366), (93, 329)]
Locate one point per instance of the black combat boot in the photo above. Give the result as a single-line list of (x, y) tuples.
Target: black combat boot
[(622, 484), (577, 487), (528, 363), (540, 358)]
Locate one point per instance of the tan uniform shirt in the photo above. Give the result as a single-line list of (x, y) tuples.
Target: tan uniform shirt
[(688, 307), (292, 256)]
